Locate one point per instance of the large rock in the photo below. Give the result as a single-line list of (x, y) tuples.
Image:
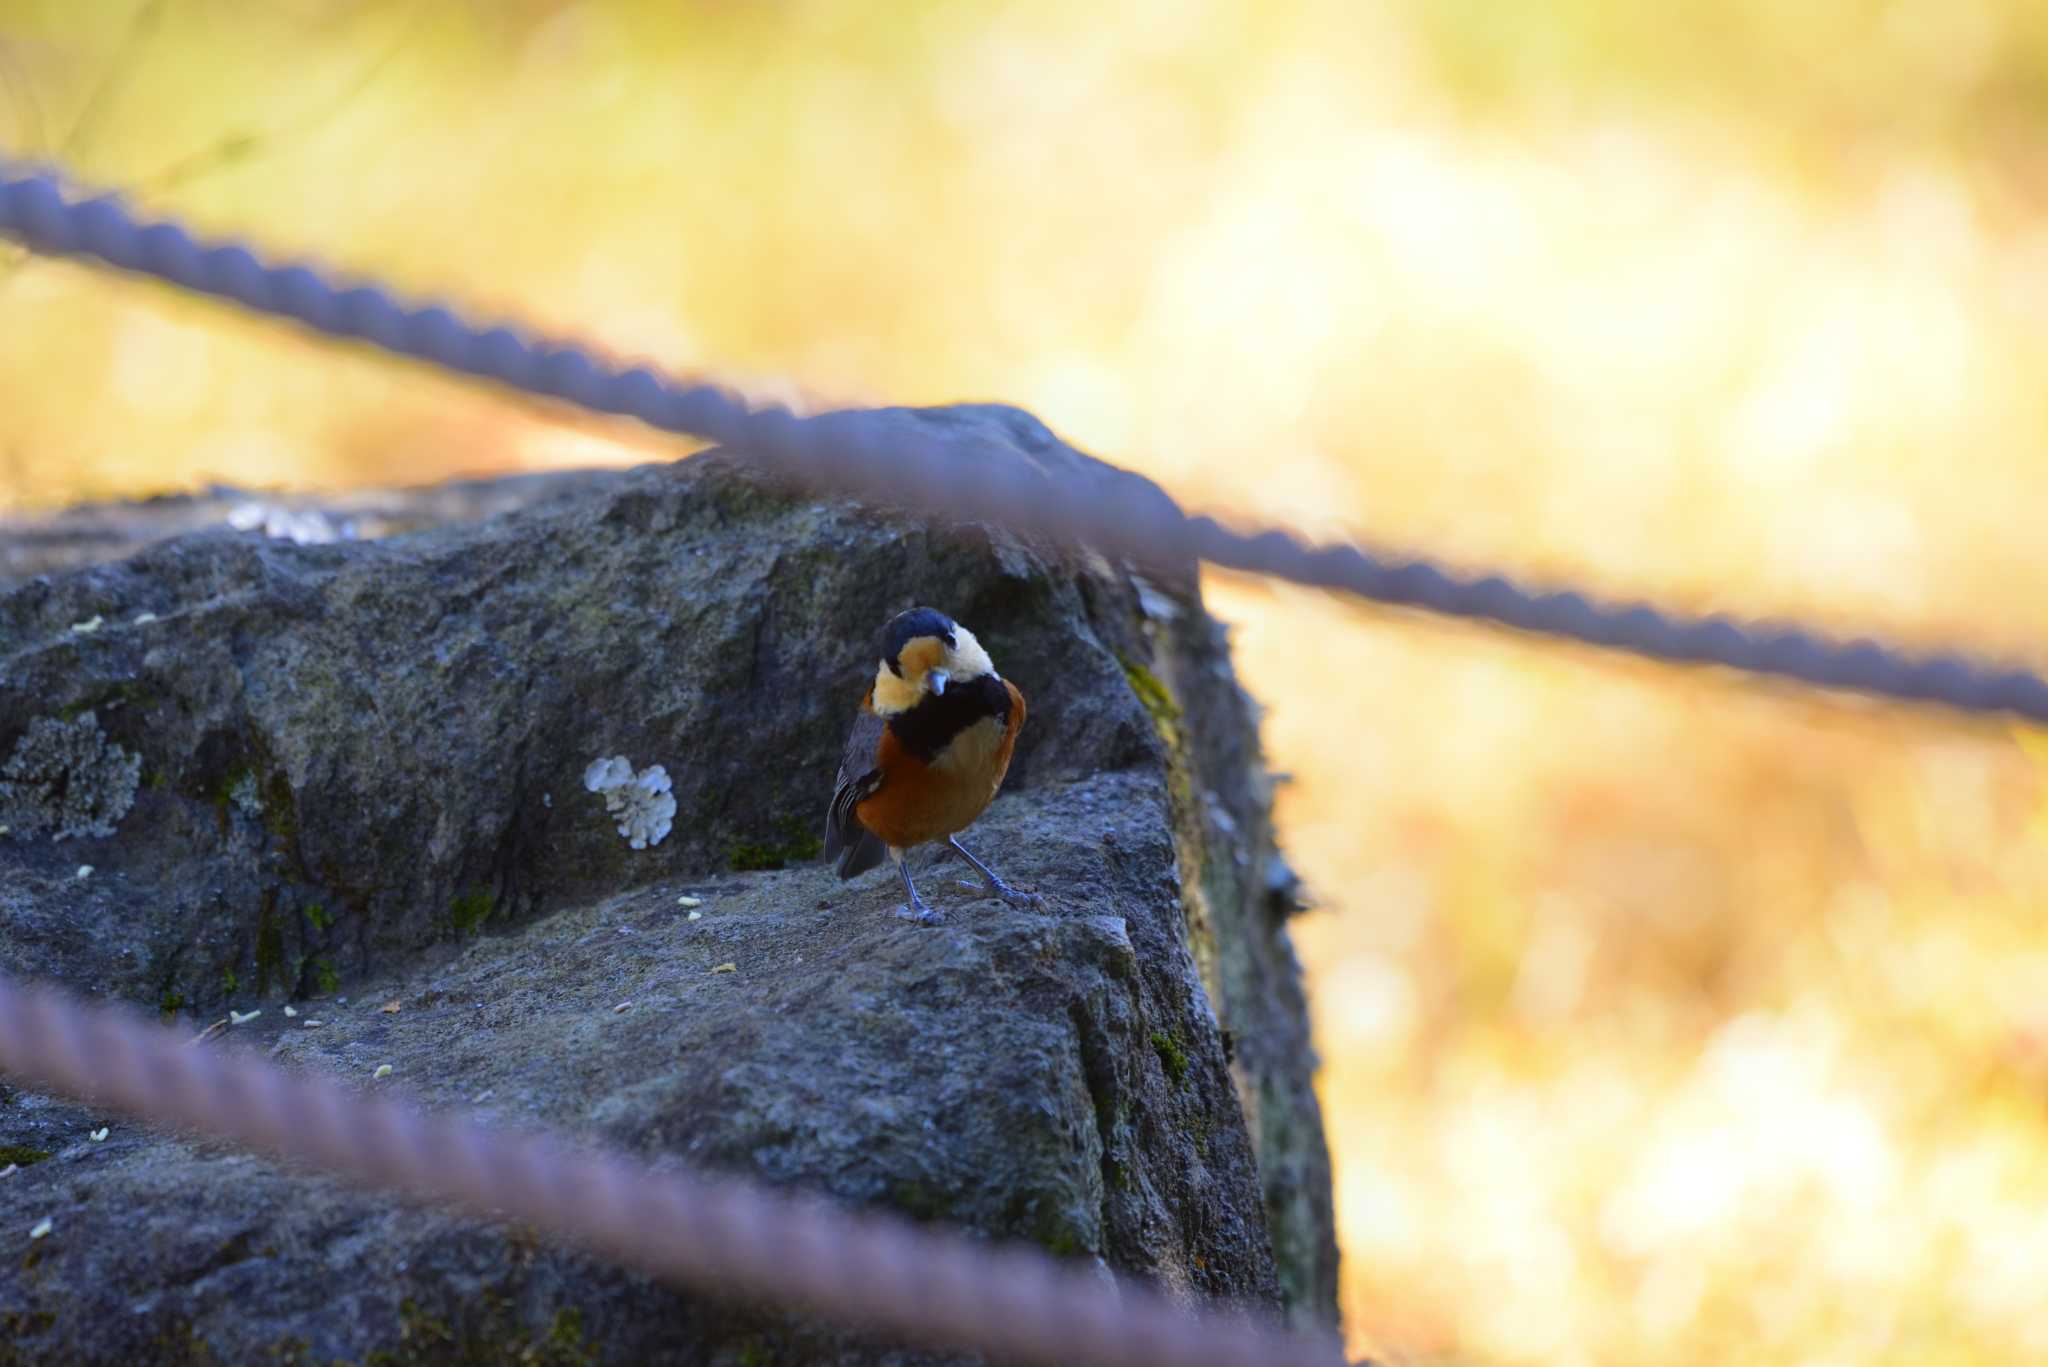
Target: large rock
[(350, 773)]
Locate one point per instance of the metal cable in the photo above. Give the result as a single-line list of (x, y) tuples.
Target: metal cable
[(969, 476), (717, 1235)]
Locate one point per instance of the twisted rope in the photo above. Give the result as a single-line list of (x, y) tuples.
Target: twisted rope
[(969, 476), (715, 1235)]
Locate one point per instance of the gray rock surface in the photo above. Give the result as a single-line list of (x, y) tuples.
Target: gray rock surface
[(360, 775)]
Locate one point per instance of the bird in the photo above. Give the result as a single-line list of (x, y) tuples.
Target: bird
[(927, 752)]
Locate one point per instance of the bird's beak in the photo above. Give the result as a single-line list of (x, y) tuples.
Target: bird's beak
[(937, 678)]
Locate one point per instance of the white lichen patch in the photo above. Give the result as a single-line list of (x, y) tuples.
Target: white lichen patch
[(84, 870), (290, 1012), (99, 1135), (242, 1017), (66, 779), (688, 902), (88, 626), (383, 1071), (42, 1229), (640, 802)]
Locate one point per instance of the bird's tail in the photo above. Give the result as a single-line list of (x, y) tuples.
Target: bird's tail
[(862, 855)]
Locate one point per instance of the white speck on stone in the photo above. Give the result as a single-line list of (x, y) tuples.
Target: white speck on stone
[(726, 968), (307, 526), (642, 803), (10, 1170), (622, 1007), (547, 800), (145, 619), (89, 626), (85, 870), (696, 916), (42, 1228), (687, 902), (383, 1070), (314, 1025), (290, 1011), (99, 1134), (481, 1097), (242, 1017)]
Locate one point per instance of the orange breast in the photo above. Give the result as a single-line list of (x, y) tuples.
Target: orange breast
[(920, 802)]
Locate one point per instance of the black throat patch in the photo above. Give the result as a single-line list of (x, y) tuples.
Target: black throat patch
[(929, 727)]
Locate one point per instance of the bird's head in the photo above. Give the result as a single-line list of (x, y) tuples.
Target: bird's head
[(924, 652)]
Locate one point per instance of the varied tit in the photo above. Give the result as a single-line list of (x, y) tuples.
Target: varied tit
[(927, 753)]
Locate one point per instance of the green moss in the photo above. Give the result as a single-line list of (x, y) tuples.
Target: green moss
[(753, 1353), (492, 1335), (170, 1003), (1155, 695), (471, 910), (109, 699), (324, 976), (229, 981), (319, 916), (1064, 1243), (918, 1201), (21, 1155), (1171, 1056), (270, 960), (800, 844), (567, 1333), (222, 793), (280, 810)]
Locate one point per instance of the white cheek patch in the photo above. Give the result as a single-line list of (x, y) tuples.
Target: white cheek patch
[(967, 660)]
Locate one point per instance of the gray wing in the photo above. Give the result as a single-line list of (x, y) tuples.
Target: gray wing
[(846, 840)]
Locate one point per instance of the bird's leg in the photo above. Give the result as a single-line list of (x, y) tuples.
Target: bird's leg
[(915, 909), (1013, 896)]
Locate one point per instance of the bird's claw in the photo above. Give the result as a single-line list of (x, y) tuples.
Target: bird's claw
[(920, 915), (1015, 898)]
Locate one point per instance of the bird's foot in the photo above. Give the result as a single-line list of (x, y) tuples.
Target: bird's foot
[(920, 914), (1016, 899)]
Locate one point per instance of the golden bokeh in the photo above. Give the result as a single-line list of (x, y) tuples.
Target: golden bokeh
[(1666, 1016)]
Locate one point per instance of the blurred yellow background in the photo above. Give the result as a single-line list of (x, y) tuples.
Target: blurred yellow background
[(1666, 1016)]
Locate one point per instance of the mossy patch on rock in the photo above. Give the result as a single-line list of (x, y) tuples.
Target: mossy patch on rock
[(799, 845), (1172, 1057), (470, 910)]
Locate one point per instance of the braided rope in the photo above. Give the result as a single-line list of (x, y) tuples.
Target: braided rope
[(964, 475), (716, 1235)]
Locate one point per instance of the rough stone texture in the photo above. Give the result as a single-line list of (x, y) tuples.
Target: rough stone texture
[(361, 774), (65, 780)]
